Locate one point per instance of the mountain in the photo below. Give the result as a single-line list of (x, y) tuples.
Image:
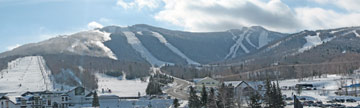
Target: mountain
[(326, 43), (157, 46), (132, 50), (303, 54)]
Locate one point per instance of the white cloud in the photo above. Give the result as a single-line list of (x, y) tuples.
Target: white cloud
[(13, 47), (349, 5), (140, 4), (218, 15), (93, 25)]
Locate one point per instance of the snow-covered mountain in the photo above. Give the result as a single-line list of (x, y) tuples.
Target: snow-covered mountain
[(309, 46), (157, 46)]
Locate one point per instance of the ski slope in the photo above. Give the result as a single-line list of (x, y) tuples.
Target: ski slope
[(122, 88), (263, 39), (25, 74), (356, 34), (311, 41), (84, 41), (237, 45), (139, 47), (174, 49), (248, 40)]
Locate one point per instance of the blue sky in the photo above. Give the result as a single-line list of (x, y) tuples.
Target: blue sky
[(28, 21)]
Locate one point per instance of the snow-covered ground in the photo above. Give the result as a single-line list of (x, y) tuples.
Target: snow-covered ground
[(25, 74), (263, 39), (248, 40), (122, 88), (326, 88), (135, 103), (139, 47), (92, 38), (356, 34), (174, 49), (237, 45), (311, 41)]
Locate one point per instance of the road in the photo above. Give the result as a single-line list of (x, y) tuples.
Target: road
[(179, 89)]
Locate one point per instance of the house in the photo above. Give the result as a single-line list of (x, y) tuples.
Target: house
[(207, 81), (75, 98), (5, 102), (243, 89), (78, 96), (246, 89)]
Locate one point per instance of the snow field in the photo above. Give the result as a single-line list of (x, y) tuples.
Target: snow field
[(122, 88), (25, 74)]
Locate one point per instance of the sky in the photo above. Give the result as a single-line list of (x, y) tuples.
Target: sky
[(29, 21)]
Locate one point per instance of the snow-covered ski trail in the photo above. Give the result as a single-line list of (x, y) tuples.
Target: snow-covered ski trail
[(235, 47), (139, 47), (173, 48)]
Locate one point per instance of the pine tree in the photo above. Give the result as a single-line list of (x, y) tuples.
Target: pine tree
[(268, 93), (274, 96), (95, 102), (221, 97), (255, 100), (176, 103), (204, 96), (280, 99), (153, 88), (194, 101), (211, 102)]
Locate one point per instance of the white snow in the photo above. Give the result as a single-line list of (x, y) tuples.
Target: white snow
[(92, 38), (174, 49), (263, 39), (334, 31), (326, 88), (311, 41), (248, 40), (71, 74), (139, 32), (238, 43), (25, 74), (122, 88), (356, 34), (138, 46)]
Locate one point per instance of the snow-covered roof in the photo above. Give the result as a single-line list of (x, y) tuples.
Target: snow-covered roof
[(257, 85), (233, 83), (196, 80)]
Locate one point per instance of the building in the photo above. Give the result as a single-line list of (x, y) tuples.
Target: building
[(5, 102), (75, 98), (207, 81), (243, 89)]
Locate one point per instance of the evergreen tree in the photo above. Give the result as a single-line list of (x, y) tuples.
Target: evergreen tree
[(221, 97), (204, 96), (255, 100), (153, 88), (274, 96), (95, 102), (211, 102), (280, 100), (268, 93), (176, 103), (194, 101)]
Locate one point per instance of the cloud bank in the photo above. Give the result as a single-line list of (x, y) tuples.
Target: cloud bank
[(219, 15)]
